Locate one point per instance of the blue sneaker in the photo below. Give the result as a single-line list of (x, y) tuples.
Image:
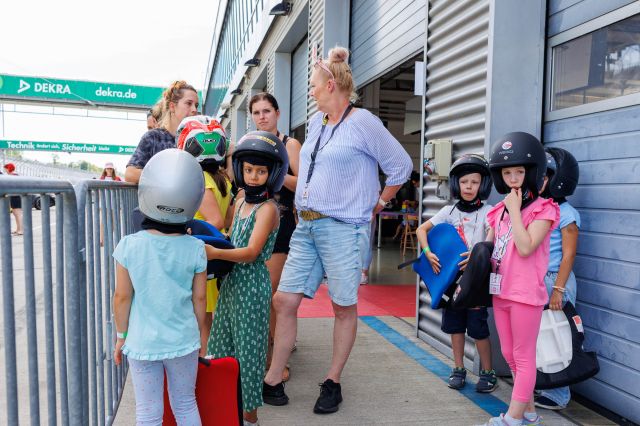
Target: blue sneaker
[(488, 382), (457, 378)]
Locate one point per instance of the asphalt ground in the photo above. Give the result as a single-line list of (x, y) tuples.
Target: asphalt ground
[(392, 377)]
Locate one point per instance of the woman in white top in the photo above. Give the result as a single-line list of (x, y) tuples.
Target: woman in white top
[(109, 173)]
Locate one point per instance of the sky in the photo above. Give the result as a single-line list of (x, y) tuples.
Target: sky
[(132, 42)]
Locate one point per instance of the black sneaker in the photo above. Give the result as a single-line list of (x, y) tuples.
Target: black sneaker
[(488, 382), (457, 378), (544, 402), (329, 399), (274, 395)]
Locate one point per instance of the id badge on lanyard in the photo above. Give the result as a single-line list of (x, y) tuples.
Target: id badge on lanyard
[(495, 280)]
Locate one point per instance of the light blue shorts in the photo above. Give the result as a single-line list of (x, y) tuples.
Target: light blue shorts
[(326, 246)]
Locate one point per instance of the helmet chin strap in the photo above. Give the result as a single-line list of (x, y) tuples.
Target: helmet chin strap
[(256, 194), (527, 198), (469, 206)]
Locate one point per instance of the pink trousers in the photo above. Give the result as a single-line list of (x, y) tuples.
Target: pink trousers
[(518, 325)]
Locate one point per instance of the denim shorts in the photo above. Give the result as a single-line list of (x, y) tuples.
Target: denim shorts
[(326, 246)]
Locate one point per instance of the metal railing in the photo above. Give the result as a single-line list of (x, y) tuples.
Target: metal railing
[(104, 218), (57, 283)]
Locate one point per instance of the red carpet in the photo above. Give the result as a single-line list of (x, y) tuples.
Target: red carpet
[(373, 300)]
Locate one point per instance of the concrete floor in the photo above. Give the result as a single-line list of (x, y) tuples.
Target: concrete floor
[(382, 385), (385, 261)]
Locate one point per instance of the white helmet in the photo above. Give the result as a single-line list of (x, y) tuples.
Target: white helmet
[(171, 187)]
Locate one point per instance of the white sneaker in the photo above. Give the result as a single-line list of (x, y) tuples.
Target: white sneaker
[(497, 421)]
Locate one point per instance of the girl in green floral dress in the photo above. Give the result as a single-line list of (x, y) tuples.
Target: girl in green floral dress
[(241, 322)]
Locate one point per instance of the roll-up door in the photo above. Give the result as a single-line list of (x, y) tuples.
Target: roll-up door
[(299, 85), (316, 34), (384, 34), (457, 39)]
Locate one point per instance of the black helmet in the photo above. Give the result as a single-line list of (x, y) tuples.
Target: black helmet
[(518, 149), (565, 179), (552, 166), (470, 163), (266, 146)]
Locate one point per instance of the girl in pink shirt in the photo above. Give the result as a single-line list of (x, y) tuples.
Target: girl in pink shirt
[(520, 227)]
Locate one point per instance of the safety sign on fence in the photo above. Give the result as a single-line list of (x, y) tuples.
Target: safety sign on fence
[(84, 148)]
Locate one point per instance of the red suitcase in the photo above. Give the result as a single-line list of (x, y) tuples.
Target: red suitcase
[(218, 394)]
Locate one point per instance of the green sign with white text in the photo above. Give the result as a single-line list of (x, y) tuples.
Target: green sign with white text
[(78, 92), (82, 148)]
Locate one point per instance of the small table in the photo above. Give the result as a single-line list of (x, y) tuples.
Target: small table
[(387, 215)]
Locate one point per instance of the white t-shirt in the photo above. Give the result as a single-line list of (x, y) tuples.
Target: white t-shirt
[(474, 225)]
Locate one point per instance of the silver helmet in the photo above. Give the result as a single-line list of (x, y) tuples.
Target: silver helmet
[(171, 187)]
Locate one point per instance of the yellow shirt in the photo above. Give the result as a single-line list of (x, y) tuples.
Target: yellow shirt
[(223, 202)]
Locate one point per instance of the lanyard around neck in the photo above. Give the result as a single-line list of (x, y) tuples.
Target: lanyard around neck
[(499, 261), (325, 120)]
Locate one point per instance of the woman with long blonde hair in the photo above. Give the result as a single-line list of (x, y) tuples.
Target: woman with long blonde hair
[(178, 101)]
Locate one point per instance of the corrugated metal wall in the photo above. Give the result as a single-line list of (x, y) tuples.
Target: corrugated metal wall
[(607, 265), (384, 34), (299, 79), (566, 14), (271, 74), (316, 35), (457, 40)]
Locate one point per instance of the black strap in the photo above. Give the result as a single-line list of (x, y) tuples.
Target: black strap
[(409, 262), (325, 120)]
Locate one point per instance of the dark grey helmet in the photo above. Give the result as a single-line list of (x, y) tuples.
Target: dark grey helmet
[(267, 146)]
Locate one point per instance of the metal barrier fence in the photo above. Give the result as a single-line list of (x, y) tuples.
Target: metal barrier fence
[(57, 283)]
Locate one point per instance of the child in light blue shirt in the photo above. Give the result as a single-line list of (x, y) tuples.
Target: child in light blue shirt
[(561, 180), (162, 269), (159, 303)]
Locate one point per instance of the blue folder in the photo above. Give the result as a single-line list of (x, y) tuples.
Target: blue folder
[(446, 243)]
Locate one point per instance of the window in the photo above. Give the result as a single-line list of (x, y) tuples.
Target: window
[(599, 65)]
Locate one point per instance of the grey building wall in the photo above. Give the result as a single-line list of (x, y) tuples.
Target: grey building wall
[(607, 266), (383, 35), (457, 48), (299, 80), (566, 14)]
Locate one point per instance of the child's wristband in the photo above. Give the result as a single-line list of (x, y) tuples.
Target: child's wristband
[(426, 250), (121, 335), (560, 289)]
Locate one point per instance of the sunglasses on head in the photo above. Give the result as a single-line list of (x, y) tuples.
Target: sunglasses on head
[(317, 61)]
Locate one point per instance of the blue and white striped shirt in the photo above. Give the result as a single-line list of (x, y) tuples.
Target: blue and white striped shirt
[(345, 184)]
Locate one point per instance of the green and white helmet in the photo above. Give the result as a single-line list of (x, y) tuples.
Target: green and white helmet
[(204, 138)]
